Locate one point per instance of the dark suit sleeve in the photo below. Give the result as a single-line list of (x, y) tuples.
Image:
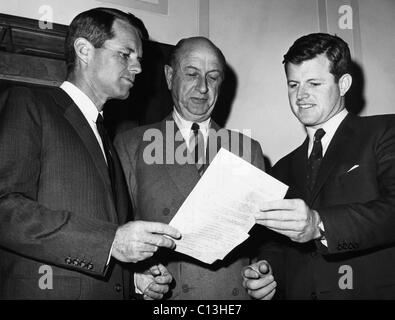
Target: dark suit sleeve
[(27, 227), (125, 148), (257, 159), (369, 224), (125, 143)]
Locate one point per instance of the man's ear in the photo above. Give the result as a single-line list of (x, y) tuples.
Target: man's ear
[(83, 49), (169, 75), (345, 82)]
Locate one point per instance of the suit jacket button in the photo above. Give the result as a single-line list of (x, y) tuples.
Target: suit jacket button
[(166, 211), (185, 288), (89, 266), (118, 287), (235, 292)]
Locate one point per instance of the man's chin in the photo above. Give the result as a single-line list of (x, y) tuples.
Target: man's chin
[(199, 110), (126, 95), (123, 95), (199, 117)]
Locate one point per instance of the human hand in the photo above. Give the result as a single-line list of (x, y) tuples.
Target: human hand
[(290, 217), (139, 240), (154, 282), (259, 281)]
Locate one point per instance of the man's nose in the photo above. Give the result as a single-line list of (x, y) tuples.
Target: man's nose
[(202, 85), (134, 67), (302, 93)]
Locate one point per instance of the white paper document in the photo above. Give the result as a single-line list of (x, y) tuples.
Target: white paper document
[(219, 212)]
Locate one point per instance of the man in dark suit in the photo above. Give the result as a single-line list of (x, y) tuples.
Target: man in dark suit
[(164, 161), (335, 231), (63, 200)]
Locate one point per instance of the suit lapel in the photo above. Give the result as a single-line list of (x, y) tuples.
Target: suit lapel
[(337, 149), (184, 176), (214, 143), (77, 120)]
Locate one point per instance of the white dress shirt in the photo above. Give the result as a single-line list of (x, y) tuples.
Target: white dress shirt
[(185, 127)]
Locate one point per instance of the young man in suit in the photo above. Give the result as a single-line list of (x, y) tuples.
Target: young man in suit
[(160, 181), (335, 230), (63, 199)]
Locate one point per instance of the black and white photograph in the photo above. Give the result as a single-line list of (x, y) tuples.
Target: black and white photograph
[(197, 156)]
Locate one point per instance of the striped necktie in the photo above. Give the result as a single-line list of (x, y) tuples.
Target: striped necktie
[(107, 150), (314, 161), (196, 147)]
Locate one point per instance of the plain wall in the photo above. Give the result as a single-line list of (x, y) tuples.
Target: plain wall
[(378, 54), (254, 35)]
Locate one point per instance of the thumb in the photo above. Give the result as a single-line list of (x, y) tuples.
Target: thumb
[(155, 271), (162, 269), (263, 267)]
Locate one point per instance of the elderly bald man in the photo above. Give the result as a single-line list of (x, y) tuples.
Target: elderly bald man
[(159, 186)]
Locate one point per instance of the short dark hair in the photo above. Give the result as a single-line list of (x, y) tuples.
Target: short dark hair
[(95, 25), (311, 45), (173, 58)]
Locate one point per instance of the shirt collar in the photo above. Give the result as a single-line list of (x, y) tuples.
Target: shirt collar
[(186, 125), (82, 101), (330, 128)]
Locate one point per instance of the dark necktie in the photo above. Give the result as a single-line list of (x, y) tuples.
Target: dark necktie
[(107, 150), (314, 161), (196, 147)]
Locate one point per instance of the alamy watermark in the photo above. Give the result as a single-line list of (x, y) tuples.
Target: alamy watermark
[(346, 18), (45, 282), (46, 17), (162, 147), (346, 280)]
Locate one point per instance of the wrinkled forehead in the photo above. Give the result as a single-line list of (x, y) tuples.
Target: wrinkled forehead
[(199, 54)]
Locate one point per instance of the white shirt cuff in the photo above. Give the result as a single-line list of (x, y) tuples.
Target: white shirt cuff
[(323, 241), (109, 255), (136, 289)]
